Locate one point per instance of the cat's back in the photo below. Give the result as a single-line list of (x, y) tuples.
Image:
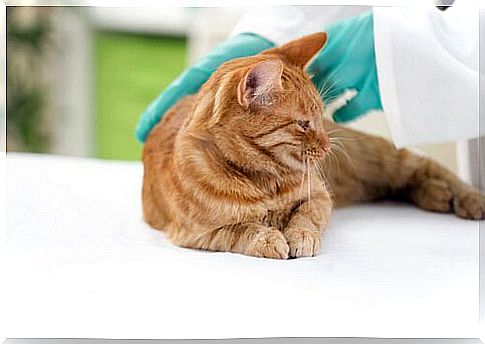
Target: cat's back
[(157, 158), (162, 136)]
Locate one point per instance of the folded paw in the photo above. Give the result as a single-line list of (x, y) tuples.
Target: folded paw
[(268, 243), (303, 242)]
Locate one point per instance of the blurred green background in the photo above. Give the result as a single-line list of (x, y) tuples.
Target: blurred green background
[(130, 71), (79, 78)]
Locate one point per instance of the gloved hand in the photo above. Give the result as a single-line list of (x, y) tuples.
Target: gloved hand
[(348, 62), (192, 79)]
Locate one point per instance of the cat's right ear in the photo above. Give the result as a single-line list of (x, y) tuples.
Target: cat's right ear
[(259, 85), (301, 51)]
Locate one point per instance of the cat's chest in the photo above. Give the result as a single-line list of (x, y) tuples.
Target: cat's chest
[(278, 212)]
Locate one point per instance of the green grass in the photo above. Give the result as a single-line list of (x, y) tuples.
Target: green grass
[(130, 71)]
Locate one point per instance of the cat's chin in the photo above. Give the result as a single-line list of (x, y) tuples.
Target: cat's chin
[(302, 167), (296, 162)]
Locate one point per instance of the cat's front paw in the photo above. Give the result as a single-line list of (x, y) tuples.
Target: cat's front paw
[(469, 204), (303, 242), (268, 243)]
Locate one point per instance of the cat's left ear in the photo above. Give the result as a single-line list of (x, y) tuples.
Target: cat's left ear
[(259, 85), (301, 51)]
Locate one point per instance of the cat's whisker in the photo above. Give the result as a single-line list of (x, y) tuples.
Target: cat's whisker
[(329, 95), (308, 182), (325, 184), (333, 161), (324, 85), (329, 81), (329, 91), (326, 92), (341, 149), (315, 165), (337, 138), (302, 180), (334, 131), (339, 146)]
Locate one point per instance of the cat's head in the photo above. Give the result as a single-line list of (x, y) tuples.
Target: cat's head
[(267, 103)]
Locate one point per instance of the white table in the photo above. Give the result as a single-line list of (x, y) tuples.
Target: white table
[(82, 263)]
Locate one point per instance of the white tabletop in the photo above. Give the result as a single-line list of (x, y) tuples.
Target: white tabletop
[(82, 263)]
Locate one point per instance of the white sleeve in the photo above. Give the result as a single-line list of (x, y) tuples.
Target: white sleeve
[(280, 24), (427, 66)]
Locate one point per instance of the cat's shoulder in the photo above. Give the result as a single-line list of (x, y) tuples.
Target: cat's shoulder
[(164, 132)]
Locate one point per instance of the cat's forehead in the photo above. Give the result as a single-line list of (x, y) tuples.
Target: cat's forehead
[(295, 76), (303, 96), (299, 79), (302, 106)]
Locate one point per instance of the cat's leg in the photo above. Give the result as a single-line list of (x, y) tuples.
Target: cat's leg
[(433, 187), (250, 238), (307, 223), (367, 167)]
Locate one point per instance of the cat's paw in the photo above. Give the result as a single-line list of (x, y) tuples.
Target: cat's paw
[(268, 243), (303, 242), (434, 194), (469, 204)]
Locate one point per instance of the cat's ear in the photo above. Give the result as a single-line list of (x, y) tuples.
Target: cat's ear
[(260, 84), (301, 51)]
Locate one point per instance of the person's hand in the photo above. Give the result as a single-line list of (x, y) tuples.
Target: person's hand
[(347, 62), (193, 78)]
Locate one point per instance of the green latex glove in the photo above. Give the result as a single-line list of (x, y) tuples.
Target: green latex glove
[(193, 78), (348, 62)]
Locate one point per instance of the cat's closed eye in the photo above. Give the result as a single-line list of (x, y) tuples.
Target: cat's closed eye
[(303, 124)]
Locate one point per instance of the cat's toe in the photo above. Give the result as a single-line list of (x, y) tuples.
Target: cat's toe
[(268, 243), (470, 204), (303, 242)]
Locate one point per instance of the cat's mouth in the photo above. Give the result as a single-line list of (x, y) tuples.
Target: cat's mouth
[(315, 150), (314, 154), (305, 156)]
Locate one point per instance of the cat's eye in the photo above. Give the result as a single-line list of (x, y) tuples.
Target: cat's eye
[(303, 124)]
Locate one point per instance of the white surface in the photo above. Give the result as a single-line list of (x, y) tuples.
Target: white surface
[(81, 263)]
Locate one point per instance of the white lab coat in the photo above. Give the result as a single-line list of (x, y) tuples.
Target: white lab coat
[(427, 62)]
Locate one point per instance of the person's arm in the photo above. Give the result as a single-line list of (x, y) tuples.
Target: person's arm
[(427, 67)]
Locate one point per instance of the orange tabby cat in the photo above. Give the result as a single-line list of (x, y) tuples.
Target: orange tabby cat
[(247, 166)]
